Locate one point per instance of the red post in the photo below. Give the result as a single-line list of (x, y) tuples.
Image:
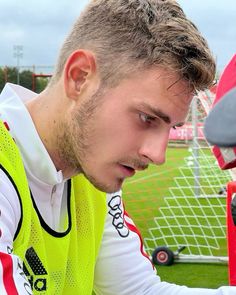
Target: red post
[(33, 82), (231, 231)]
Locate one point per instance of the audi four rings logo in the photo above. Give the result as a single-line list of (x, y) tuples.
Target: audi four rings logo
[(117, 214)]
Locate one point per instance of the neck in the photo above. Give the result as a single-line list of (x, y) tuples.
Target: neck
[(46, 110)]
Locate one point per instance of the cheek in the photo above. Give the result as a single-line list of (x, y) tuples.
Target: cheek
[(116, 136)]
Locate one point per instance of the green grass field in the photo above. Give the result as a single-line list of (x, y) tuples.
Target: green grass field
[(195, 275), (145, 194)]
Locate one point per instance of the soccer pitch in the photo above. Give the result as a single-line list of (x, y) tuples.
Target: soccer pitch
[(145, 192)]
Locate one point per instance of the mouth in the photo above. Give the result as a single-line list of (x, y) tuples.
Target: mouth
[(127, 170)]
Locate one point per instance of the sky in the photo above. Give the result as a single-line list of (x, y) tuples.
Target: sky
[(41, 26)]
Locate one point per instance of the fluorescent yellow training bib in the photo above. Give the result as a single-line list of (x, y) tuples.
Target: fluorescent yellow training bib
[(56, 263)]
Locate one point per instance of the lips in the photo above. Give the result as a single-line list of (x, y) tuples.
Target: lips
[(127, 171)]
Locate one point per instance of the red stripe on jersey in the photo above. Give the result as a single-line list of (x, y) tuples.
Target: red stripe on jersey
[(8, 281), (6, 125), (134, 229)]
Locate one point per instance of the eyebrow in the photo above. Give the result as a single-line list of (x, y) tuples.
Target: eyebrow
[(160, 114)]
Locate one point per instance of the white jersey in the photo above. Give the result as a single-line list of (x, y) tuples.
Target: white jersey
[(122, 267)]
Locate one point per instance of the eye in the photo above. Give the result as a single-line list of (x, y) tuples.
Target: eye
[(178, 126), (147, 119)]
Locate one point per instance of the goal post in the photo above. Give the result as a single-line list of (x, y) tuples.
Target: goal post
[(35, 77), (194, 212)]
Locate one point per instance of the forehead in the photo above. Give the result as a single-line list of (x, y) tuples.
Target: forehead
[(161, 84), (155, 85), (170, 81), (164, 91)]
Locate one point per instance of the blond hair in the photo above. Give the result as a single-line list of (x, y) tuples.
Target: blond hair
[(127, 35)]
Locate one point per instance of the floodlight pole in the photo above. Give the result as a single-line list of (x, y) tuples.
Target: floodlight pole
[(18, 54)]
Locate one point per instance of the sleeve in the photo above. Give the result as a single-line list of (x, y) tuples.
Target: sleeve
[(124, 268), (12, 278)]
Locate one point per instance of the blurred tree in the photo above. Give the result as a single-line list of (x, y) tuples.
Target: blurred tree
[(26, 79), (2, 78), (41, 83), (9, 74)]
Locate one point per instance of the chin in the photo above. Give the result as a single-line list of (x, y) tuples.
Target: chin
[(111, 185), (106, 187)]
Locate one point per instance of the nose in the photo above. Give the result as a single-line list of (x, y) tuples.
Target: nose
[(154, 148)]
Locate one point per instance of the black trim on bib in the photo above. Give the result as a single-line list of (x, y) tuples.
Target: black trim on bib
[(18, 194), (46, 227)]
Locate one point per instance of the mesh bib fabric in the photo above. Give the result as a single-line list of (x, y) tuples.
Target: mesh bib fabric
[(56, 262)]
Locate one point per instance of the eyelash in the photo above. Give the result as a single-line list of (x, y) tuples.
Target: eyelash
[(147, 119)]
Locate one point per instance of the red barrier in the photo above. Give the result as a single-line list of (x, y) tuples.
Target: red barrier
[(231, 230)]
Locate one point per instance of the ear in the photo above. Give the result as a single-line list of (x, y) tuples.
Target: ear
[(79, 70)]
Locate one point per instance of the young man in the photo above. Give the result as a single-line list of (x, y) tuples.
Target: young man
[(125, 76)]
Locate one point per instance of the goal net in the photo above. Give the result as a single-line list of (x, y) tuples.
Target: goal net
[(183, 203)]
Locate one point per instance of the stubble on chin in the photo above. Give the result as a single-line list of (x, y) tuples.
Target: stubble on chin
[(70, 154), (105, 187)]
